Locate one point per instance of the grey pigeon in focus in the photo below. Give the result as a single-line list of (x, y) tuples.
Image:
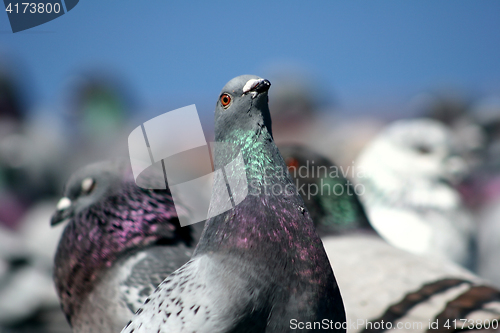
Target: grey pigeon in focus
[(407, 173), (259, 267), (120, 242), (382, 286)]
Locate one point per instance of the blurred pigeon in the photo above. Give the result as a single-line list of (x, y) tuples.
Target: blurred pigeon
[(486, 186), (259, 266), (489, 242), (30, 150), (120, 242), (383, 286), (453, 109), (28, 300), (12, 99), (329, 196), (487, 114), (405, 174), (99, 105), (405, 289), (487, 176)]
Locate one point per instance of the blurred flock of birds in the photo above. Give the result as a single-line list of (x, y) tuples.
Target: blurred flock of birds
[(419, 239)]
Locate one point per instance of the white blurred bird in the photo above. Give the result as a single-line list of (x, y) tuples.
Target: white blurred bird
[(406, 174)]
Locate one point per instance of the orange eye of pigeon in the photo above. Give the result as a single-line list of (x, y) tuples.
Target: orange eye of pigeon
[(225, 99), (292, 163)]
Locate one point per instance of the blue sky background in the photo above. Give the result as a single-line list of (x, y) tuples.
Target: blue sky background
[(175, 53)]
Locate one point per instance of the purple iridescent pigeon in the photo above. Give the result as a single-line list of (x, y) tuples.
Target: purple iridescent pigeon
[(259, 267), (120, 242)]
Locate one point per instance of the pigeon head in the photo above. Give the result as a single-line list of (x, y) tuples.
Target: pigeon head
[(109, 219), (422, 148), (242, 106), (87, 186), (330, 198)]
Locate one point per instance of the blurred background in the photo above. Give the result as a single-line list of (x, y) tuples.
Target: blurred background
[(71, 90)]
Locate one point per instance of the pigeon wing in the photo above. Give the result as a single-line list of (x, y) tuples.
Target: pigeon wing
[(196, 298)]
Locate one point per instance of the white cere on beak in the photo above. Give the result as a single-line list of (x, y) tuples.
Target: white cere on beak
[(87, 184), (252, 83), (63, 203)]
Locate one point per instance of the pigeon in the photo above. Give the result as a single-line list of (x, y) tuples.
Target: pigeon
[(28, 300), (99, 109), (260, 266), (385, 287), (489, 242), (119, 243), (406, 174), (329, 196), (486, 186)]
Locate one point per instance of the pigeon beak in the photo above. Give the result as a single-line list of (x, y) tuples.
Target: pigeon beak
[(262, 86), (256, 86), (62, 212)]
